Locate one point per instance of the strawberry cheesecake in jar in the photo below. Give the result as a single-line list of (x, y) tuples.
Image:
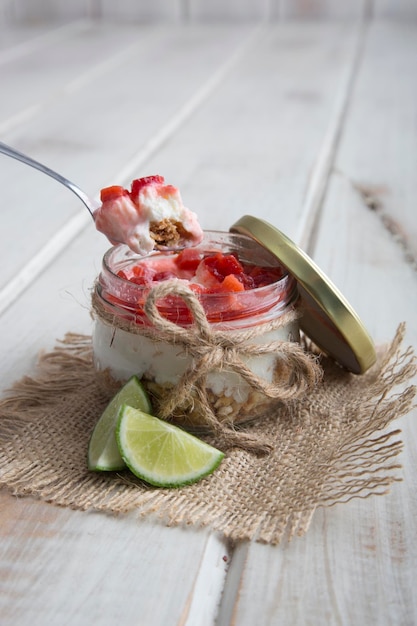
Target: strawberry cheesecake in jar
[(200, 327), (206, 320)]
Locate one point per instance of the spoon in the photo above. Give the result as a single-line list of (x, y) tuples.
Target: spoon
[(90, 204)]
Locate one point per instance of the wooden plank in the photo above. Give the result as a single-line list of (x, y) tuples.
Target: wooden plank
[(97, 565), (151, 10), (127, 10), (234, 141), (397, 9), (27, 11), (146, 10), (319, 9), (84, 568), (276, 9), (357, 563), (22, 39), (24, 11), (240, 154), (235, 10), (46, 68), (383, 113)]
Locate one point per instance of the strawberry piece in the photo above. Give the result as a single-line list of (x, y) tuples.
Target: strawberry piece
[(142, 275), (164, 275), (263, 276), (247, 281), (112, 193), (219, 266), (176, 310), (136, 280), (188, 259), (123, 275), (205, 276), (139, 183), (142, 270), (231, 283)]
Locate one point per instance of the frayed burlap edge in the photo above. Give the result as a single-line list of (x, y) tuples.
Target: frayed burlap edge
[(328, 448)]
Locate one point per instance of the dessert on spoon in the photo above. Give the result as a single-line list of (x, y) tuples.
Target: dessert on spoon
[(151, 216)]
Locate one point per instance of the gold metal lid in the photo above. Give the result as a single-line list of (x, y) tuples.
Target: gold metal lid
[(327, 317)]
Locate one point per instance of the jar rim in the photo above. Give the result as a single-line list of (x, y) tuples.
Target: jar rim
[(277, 295), (234, 237)]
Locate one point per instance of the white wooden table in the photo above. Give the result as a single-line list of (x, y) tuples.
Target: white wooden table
[(297, 122)]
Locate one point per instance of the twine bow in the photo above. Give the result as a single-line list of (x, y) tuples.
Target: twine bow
[(218, 350)]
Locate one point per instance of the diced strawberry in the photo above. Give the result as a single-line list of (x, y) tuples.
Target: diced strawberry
[(142, 275), (188, 259), (220, 276), (164, 275), (215, 267), (142, 270), (139, 183), (136, 280), (263, 276), (231, 283), (206, 277), (123, 275), (112, 193), (221, 265), (168, 190), (247, 281)]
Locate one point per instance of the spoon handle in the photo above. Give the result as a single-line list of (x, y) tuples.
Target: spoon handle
[(15, 154)]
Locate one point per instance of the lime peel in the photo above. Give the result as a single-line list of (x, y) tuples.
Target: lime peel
[(103, 451), (160, 453)]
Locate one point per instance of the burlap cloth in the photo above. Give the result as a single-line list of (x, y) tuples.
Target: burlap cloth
[(333, 445)]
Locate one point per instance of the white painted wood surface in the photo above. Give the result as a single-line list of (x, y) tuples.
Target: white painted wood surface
[(283, 121), (176, 11)]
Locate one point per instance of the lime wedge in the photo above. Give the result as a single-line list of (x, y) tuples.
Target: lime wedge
[(162, 454), (103, 451)]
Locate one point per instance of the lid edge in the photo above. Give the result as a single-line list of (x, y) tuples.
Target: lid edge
[(332, 301)]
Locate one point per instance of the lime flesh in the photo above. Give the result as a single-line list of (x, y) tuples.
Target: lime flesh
[(103, 451), (162, 454)]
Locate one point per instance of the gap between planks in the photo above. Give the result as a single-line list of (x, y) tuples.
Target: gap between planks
[(320, 176), (24, 48), (76, 84)]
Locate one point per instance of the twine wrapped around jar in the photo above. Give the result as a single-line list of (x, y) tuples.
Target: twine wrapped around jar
[(211, 349)]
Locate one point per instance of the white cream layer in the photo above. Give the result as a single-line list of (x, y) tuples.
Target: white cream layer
[(126, 354)]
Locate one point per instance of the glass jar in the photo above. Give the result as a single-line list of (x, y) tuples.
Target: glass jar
[(123, 350)]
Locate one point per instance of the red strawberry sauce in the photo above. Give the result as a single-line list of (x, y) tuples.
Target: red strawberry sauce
[(227, 283)]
